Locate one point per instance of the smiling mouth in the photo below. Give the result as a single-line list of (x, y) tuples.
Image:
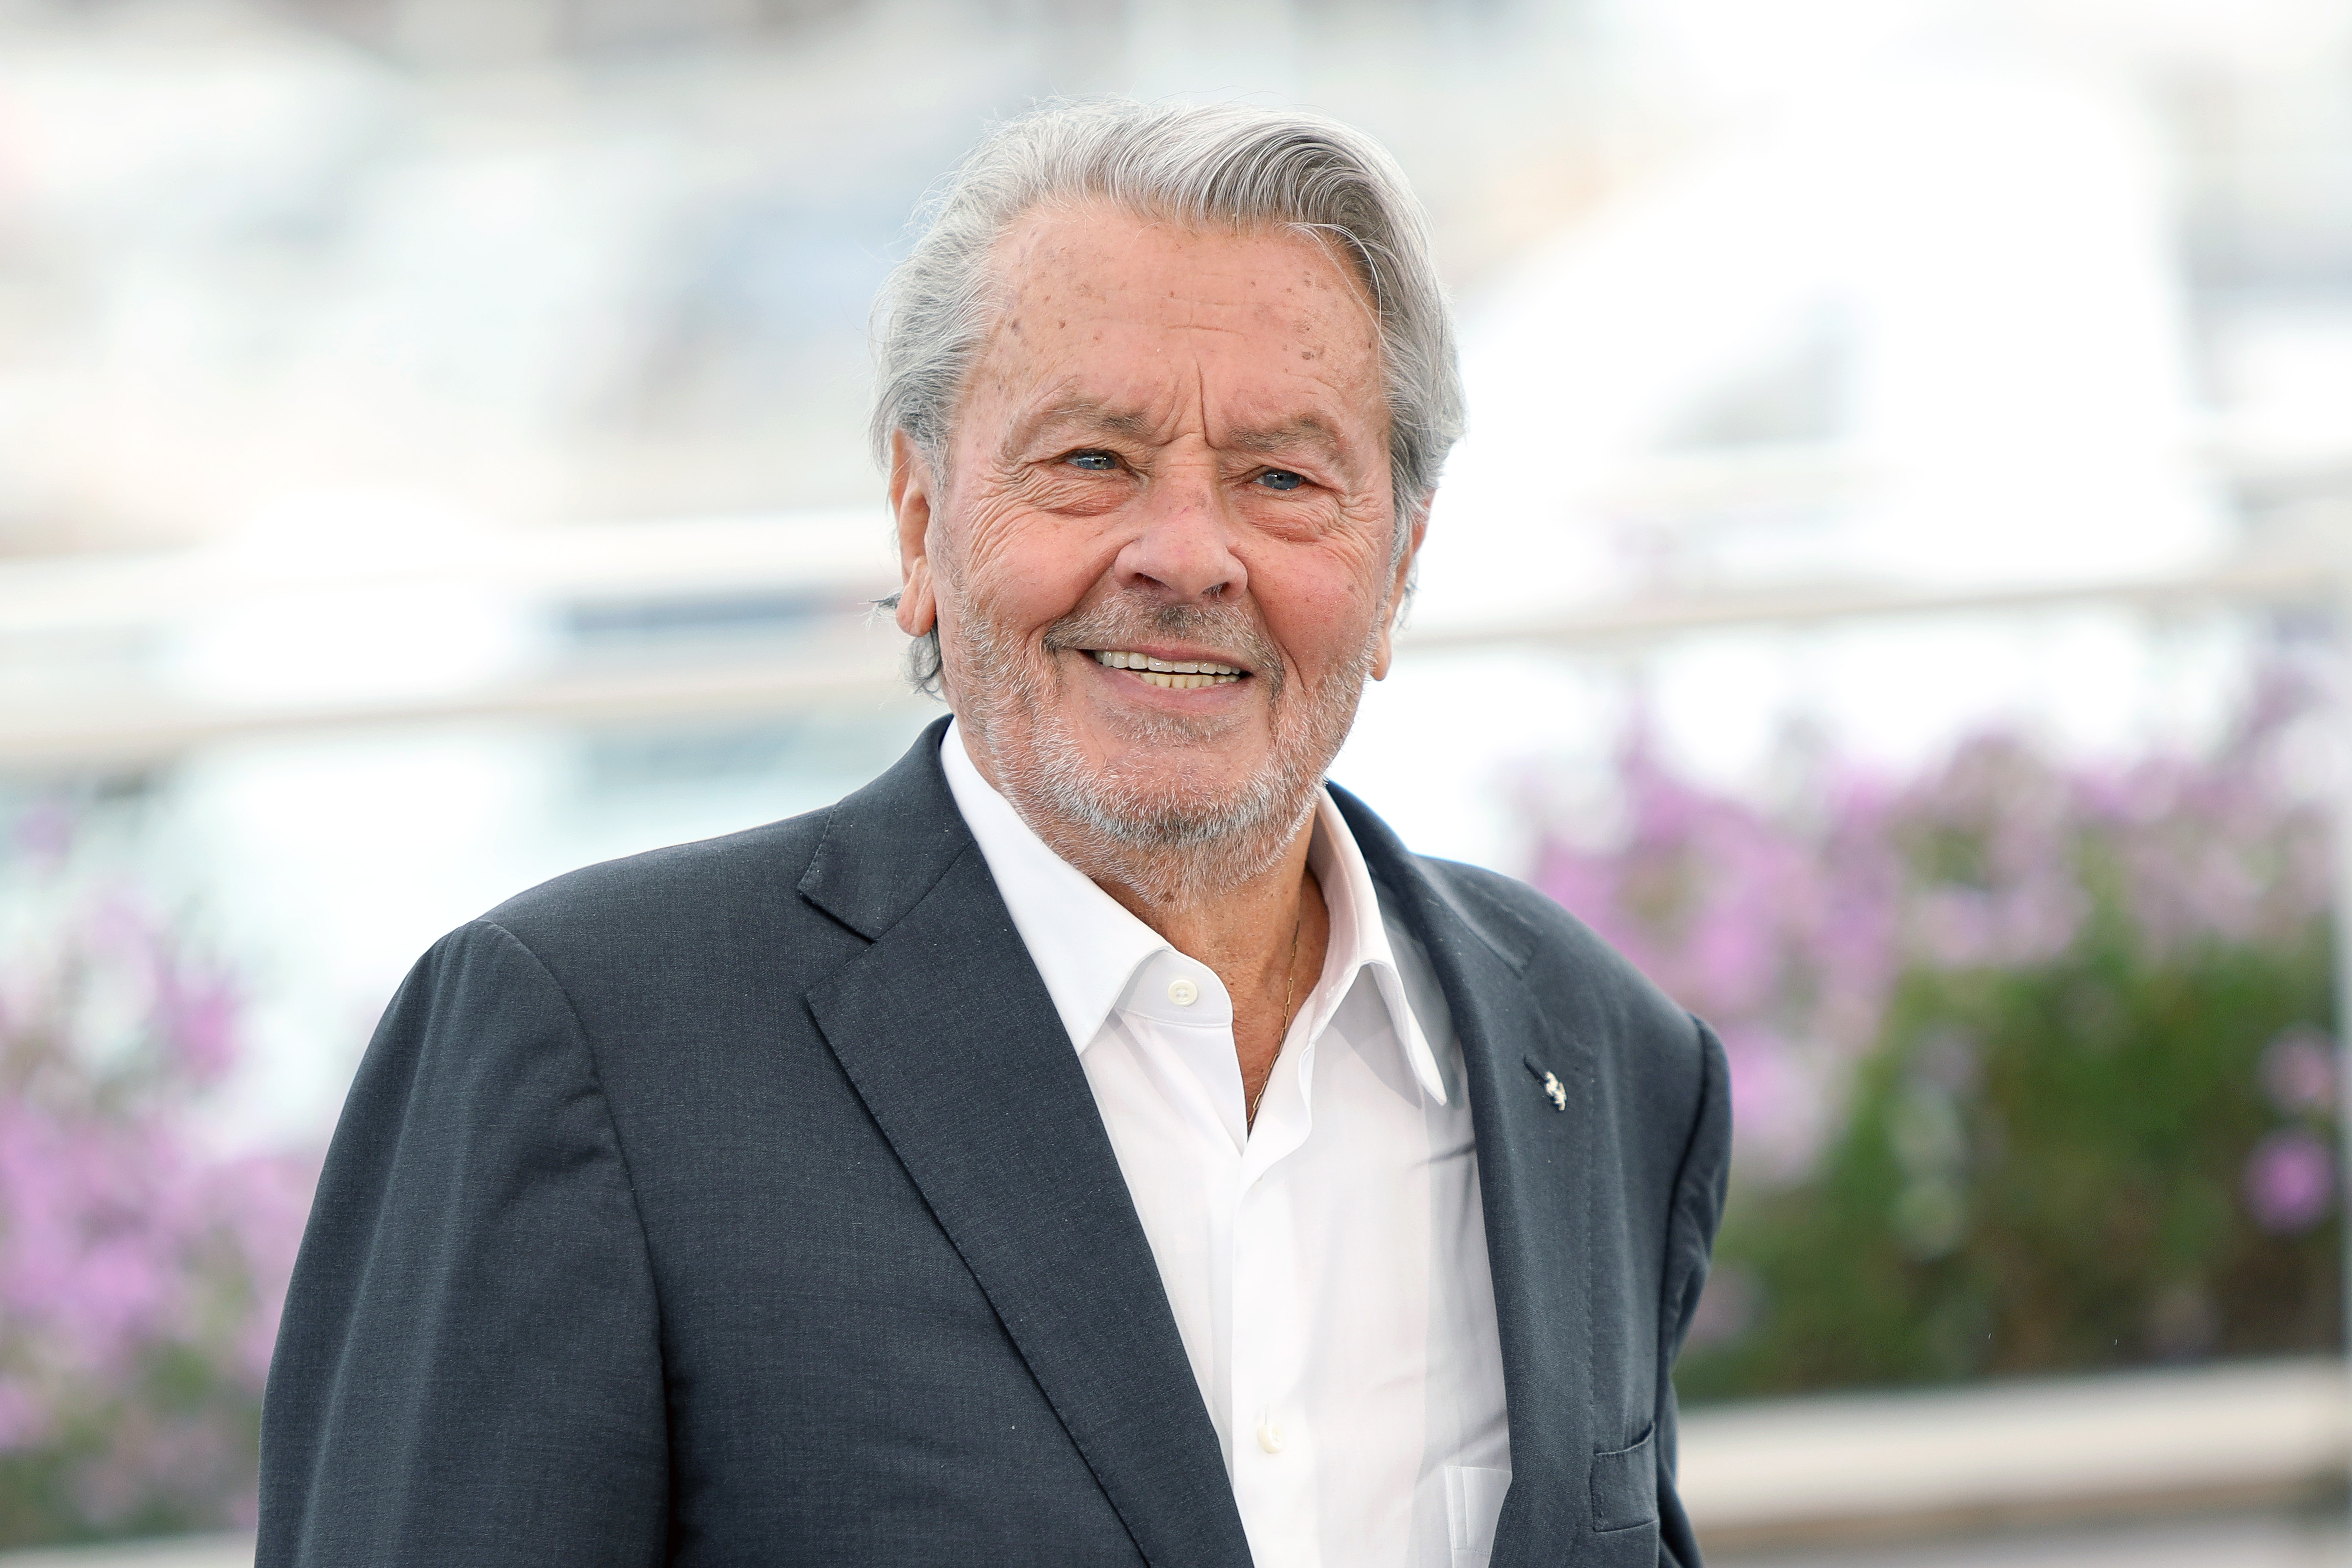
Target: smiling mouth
[(1177, 674)]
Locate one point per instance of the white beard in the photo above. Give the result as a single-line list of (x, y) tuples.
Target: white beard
[(1170, 844)]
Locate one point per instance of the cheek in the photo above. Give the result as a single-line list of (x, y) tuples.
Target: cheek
[(1023, 568), (1320, 604)]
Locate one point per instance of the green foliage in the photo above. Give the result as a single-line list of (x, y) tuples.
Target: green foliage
[(2028, 1072), (141, 1274), (167, 1456), (2043, 1170)]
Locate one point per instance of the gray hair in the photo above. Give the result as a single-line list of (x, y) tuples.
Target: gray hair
[(1224, 164)]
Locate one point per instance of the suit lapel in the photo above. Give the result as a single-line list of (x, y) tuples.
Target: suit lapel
[(950, 1038), (1535, 1185)]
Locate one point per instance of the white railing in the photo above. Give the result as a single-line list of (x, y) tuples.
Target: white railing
[(51, 612)]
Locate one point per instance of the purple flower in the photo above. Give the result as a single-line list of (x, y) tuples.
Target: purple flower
[(1776, 1103), (1788, 929), (2290, 1181), (21, 1421), (2298, 1072), (120, 1237), (198, 1016)]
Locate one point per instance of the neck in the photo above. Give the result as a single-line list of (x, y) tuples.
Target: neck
[(1265, 935), (1249, 909)]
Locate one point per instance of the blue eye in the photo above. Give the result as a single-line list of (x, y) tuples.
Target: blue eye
[(1280, 479), (1093, 462)]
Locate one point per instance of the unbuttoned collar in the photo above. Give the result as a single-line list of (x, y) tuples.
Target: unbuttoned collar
[(1088, 947)]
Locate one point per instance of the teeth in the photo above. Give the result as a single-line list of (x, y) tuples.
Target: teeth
[(1178, 674), (1185, 682)]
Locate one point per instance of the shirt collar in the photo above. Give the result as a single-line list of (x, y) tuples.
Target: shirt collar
[(1088, 947), (1358, 942), (1085, 943)]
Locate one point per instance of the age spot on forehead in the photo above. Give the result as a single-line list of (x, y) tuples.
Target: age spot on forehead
[(1067, 266)]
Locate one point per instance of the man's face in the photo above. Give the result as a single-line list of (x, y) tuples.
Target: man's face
[(1173, 450)]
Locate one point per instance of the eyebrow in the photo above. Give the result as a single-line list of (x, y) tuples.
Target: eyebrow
[(1094, 414), (1089, 413), (1305, 430)]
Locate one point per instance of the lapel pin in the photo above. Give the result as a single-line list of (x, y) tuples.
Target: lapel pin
[(1552, 1087)]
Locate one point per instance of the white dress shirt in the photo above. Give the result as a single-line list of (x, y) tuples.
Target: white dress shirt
[(1328, 1267)]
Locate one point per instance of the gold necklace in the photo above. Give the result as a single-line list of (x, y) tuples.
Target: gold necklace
[(1289, 990)]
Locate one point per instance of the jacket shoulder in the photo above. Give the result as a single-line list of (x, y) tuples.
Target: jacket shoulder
[(698, 891), (1568, 963)]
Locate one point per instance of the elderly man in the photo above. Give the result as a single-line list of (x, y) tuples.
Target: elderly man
[(1095, 1141)]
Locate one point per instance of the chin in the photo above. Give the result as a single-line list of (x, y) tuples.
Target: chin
[(1211, 738), (1178, 799)]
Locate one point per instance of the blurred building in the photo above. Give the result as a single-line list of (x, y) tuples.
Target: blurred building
[(549, 261)]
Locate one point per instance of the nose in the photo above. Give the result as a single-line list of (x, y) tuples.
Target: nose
[(1183, 549)]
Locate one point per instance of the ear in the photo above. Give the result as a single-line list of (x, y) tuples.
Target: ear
[(1395, 605), (911, 489)]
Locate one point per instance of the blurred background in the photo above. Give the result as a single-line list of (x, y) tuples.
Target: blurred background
[(1891, 588)]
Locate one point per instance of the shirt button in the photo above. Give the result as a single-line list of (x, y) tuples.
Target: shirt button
[(1269, 1436), (1183, 992)]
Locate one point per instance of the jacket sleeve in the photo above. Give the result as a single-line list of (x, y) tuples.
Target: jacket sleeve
[(469, 1369), (1697, 1210)]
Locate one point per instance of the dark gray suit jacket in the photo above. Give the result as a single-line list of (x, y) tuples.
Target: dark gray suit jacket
[(744, 1202)]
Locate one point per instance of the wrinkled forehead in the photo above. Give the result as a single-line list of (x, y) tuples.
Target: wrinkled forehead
[(1103, 315)]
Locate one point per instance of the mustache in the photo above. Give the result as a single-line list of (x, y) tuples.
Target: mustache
[(1121, 622)]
